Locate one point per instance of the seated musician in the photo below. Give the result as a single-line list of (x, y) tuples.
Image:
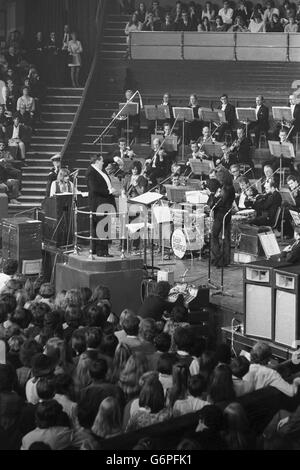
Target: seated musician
[(206, 136), (135, 184), (122, 154), (62, 184), (267, 205), (294, 187), (151, 124), (247, 195), (228, 158), (294, 124), (11, 166), (241, 148), (269, 175), (236, 175), (230, 117), (121, 121), (291, 253), (262, 120), (285, 162), (157, 165), (197, 153)]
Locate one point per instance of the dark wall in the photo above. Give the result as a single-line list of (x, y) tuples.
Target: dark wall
[(51, 15)]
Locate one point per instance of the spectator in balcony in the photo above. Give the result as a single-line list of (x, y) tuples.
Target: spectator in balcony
[(269, 12), (12, 57), (209, 12), (62, 184), (241, 11), (133, 25), (9, 164), (286, 9), (219, 26), (157, 11), (151, 23), (75, 51), (26, 103), (168, 24), (226, 13), (193, 16), (53, 74), (275, 25), (177, 13), (185, 23), (9, 102), (291, 26), (141, 12), (256, 24), (239, 25), (17, 135), (64, 55), (205, 25), (257, 11)]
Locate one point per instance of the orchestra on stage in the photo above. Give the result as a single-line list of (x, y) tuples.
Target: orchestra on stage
[(199, 160)]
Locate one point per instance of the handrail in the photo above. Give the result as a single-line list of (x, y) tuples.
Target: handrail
[(100, 16)]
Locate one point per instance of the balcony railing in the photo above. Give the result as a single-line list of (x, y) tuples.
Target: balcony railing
[(267, 47)]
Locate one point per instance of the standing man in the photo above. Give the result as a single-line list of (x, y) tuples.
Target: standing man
[(101, 199), (230, 117), (52, 176), (262, 120)]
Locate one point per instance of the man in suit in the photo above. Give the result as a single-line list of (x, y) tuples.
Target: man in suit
[(52, 175), (121, 121), (230, 117), (157, 163), (291, 253), (262, 120), (101, 199), (295, 122), (241, 148), (267, 206)]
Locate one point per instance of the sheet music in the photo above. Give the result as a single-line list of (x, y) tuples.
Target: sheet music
[(287, 196), (147, 198), (162, 214), (282, 113), (296, 217), (269, 244)]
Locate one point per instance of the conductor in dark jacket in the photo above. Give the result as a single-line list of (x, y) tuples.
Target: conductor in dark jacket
[(230, 117), (262, 120), (267, 206), (101, 199)]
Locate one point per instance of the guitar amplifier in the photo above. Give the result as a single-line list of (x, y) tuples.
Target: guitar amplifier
[(22, 240)]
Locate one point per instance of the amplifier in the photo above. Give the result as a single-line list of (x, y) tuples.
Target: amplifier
[(249, 240), (22, 240)]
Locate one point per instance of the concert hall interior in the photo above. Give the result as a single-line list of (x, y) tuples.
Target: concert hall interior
[(150, 225)]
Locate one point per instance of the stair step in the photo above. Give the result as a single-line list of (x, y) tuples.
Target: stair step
[(46, 133), (114, 47), (66, 118), (115, 39), (64, 91), (59, 108), (62, 100), (43, 147), (51, 124), (44, 139)]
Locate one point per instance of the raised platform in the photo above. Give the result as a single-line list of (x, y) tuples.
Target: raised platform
[(122, 276)]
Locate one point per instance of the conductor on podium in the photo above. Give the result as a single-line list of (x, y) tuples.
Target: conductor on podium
[(101, 199)]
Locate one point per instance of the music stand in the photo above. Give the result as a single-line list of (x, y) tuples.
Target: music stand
[(282, 113), (183, 114), (130, 109), (287, 197), (201, 168), (157, 113), (296, 217), (207, 115), (246, 115), (213, 149), (281, 150)]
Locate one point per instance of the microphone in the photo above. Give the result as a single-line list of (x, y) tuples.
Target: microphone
[(141, 101)]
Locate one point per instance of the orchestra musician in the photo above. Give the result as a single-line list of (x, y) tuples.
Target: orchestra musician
[(285, 162), (295, 122), (157, 165), (221, 198), (266, 205), (193, 129), (197, 153), (62, 184), (167, 132), (247, 195), (228, 158), (294, 187), (151, 124), (230, 117), (236, 175), (101, 199), (135, 184), (262, 120), (291, 253), (206, 137), (269, 175), (122, 153), (134, 121), (241, 148)]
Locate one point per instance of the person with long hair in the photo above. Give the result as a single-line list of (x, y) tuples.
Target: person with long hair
[(179, 391), (237, 435), (108, 422), (62, 184), (135, 367), (221, 386), (75, 51), (122, 354)]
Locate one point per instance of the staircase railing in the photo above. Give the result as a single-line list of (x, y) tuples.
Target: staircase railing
[(100, 19)]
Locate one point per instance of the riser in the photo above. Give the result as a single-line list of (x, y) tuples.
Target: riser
[(64, 91), (63, 118), (63, 100), (44, 140), (115, 39), (54, 125), (59, 108)]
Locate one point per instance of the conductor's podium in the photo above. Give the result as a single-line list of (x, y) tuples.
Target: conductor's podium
[(123, 277)]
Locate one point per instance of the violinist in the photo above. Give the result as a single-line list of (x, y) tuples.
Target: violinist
[(206, 137), (294, 187), (197, 153), (228, 158), (157, 165), (241, 148), (121, 121), (122, 154), (236, 175), (269, 175), (267, 205), (167, 103), (248, 194), (294, 124), (167, 132), (135, 183)]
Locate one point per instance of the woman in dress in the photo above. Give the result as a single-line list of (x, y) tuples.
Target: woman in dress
[(62, 184), (75, 51)]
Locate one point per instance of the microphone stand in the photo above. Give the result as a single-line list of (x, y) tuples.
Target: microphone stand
[(221, 292)]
